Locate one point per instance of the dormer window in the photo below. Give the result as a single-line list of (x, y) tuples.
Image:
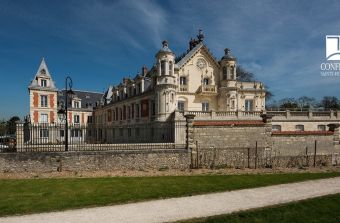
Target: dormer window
[(76, 104), (43, 83)]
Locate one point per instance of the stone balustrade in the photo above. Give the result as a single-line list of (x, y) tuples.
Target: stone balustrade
[(221, 115), (304, 115)]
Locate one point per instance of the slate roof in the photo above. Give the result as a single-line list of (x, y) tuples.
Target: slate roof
[(44, 73), (88, 99)]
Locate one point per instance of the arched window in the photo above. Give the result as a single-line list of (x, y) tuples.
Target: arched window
[(181, 106), (170, 68), (162, 67), (206, 81), (232, 75), (205, 106), (225, 73)]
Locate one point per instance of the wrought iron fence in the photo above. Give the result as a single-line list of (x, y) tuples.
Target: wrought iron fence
[(51, 137)]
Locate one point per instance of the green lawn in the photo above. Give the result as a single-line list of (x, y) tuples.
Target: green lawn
[(322, 210), (42, 195)]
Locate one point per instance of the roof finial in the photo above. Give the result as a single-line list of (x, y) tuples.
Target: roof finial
[(227, 51), (165, 43), (200, 35)]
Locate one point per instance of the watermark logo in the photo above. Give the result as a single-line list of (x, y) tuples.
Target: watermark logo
[(333, 47), (331, 69)]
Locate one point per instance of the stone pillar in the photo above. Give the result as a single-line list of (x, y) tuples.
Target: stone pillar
[(267, 119), (190, 144), (310, 114), (287, 114), (19, 136), (180, 128), (335, 127)]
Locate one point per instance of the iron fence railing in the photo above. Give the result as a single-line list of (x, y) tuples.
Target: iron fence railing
[(90, 137)]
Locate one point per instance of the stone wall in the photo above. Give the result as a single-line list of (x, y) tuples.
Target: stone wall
[(295, 145), (91, 161), (230, 136)]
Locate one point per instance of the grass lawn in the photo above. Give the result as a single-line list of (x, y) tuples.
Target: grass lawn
[(324, 209), (42, 195)]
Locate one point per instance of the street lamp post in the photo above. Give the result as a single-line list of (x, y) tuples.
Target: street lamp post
[(64, 113)]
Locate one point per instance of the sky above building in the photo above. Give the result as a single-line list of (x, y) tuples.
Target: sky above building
[(98, 43)]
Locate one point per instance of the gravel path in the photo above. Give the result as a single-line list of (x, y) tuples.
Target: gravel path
[(175, 209)]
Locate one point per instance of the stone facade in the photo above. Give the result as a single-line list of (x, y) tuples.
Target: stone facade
[(193, 82)]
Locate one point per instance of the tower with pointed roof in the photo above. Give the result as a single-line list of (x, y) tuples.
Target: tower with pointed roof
[(43, 96), (165, 89)]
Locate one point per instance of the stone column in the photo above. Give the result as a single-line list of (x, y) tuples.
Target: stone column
[(335, 127), (190, 143), (19, 136), (267, 119)]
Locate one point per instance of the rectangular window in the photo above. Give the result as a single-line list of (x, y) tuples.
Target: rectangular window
[(249, 105), (137, 110), (121, 132), (205, 106), (43, 83), (43, 133), (76, 104), (299, 128), (62, 133), (76, 133), (153, 108), (162, 67), (132, 111), (44, 118), (43, 100), (182, 80), (89, 119), (137, 132), (76, 119), (180, 106), (129, 132), (276, 128), (321, 128)]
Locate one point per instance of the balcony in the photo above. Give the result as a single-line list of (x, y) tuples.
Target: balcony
[(183, 87), (207, 89)]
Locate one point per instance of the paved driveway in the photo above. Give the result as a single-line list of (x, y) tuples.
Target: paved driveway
[(174, 209)]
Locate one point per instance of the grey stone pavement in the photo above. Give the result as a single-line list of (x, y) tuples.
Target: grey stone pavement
[(175, 209)]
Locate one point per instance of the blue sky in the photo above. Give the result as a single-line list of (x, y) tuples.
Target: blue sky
[(99, 42)]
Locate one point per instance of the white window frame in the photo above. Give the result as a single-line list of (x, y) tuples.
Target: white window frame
[(205, 106), (76, 119), (43, 133), (43, 82), (43, 101), (249, 105), (44, 118), (181, 104)]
